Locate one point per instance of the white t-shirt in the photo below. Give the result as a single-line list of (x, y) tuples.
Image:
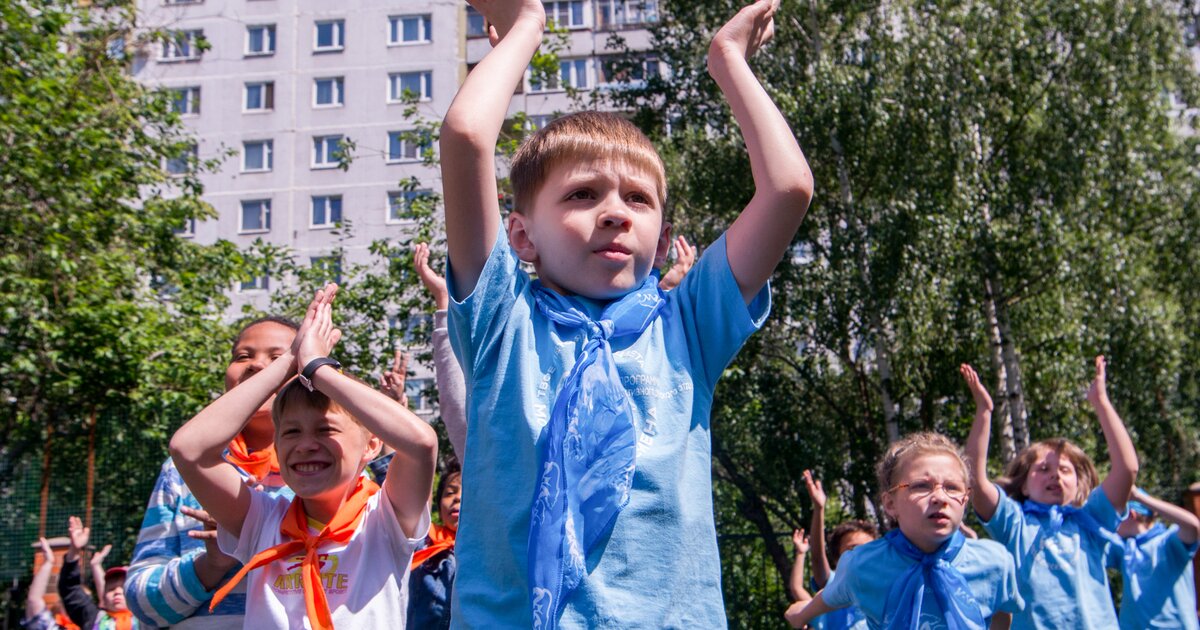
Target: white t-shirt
[(366, 580)]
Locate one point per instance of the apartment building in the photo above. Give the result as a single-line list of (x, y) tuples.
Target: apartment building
[(306, 101)]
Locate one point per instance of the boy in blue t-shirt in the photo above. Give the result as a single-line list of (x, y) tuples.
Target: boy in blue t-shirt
[(587, 494), (1158, 589)]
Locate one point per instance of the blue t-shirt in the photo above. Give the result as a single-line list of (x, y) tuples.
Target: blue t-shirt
[(1162, 593), (659, 566), (1062, 577), (866, 573), (848, 618)]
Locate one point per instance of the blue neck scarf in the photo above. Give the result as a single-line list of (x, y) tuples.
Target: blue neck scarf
[(1134, 556), (587, 459), (1058, 513), (931, 570)]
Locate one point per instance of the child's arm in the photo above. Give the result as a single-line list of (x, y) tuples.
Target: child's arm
[(96, 565), (1001, 621), (470, 131), (197, 447), (410, 475), (983, 492), (820, 558), (796, 581), (760, 236), (1123, 472), (1189, 525), (447, 372), (35, 601), (76, 602), (685, 257), (799, 614)]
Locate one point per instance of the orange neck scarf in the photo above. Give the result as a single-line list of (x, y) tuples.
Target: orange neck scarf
[(64, 621), (123, 619), (294, 530), (440, 539), (259, 463)]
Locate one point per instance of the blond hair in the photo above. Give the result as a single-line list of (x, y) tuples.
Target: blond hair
[(1017, 470), (582, 136), (910, 446), (294, 394)]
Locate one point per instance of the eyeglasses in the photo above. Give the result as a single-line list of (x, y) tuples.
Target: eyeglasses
[(926, 487)]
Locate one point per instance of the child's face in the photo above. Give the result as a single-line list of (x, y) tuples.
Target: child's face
[(928, 499), (449, 501), (321, 454), (1052, 479), (596, 228), (114, 596), (1134, 525), (256, 349), (852, 540)]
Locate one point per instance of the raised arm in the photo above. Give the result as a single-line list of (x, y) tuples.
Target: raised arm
[(78, 604), (796, 579), (35, 601), (799, 614), (1189, 525), (96, 566), (820, 554), (984, 495), (685, 257), (197, 447), (451, 384), (410, 476), (1118, 484), (783, 184), (471, 128)]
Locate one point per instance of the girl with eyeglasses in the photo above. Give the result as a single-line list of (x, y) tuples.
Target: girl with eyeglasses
[(925, 573), (1050, 513)]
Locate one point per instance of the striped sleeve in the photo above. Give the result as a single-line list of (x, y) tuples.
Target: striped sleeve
[(162, 587)]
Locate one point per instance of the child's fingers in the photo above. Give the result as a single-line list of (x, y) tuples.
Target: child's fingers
[(335, 337), (203, 534)]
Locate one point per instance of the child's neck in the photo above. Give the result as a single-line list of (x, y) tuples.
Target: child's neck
[(924, 544), (320, 510)]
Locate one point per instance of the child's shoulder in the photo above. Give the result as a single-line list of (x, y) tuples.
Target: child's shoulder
[(987, 552)]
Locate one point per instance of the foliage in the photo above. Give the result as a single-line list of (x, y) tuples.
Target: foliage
[(106, 315), (983, 169)]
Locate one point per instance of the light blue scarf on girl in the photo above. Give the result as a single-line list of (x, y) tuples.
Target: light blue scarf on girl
[(932, 571), (587, 460)]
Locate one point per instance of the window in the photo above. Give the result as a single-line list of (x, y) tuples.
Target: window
[(327, 151), (256, 216), (476, 25), (260, 40), (410, 29), (258, 156), (572, 73), (186, 101), (326, 210), (415, 389), (407, 145), (413, 84), (329, 36), (621, 13), (182, 163), (565, 14), (187, 229), (331, 266), (260, 97), (328, 92), (182, 45), (260, 283), (612, 71), (400, 204)]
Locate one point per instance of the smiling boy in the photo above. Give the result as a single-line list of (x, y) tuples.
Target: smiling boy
[(587, 491), (339, 552)]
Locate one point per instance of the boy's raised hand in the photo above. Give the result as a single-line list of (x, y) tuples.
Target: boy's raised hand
[(317, 336), (78, 535), (983, 401), (47, 551), (815, 490), (391, 382), (502, 14), (99, 556), (800, 541), (1098, 391), (685, 257), (747, 31)]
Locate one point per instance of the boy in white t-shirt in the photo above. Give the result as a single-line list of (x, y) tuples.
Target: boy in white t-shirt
[(339, 553)]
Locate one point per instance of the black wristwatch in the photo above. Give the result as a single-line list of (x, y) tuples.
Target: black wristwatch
[(309, 370)]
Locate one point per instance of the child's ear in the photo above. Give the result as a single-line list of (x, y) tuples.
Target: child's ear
[(518, 237), (889, 505), (664, 246), (374, 447)]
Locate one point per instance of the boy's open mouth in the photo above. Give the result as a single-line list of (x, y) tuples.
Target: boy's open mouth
[(309, 468)]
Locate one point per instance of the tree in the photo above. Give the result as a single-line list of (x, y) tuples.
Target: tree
[(998, 184), (107, 317)]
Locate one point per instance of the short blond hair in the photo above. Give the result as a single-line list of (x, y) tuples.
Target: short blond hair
[(582, 136), (294, 394)]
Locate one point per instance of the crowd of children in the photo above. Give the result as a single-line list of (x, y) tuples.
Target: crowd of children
[(577, 404)]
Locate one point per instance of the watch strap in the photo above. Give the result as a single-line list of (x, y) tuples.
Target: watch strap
[(310, 370)]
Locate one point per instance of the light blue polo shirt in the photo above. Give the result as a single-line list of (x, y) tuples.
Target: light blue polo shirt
[(1062, 577), (848, 618), (866, 573), (1162, 594), (659, 567)]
